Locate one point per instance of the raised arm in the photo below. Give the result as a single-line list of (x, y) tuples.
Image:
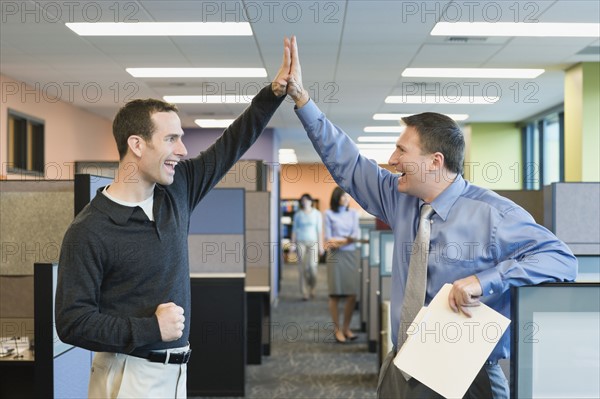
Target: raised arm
[(209, 167), (371, 186)]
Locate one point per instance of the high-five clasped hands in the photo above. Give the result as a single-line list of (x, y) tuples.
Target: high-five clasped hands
[(289, 78)]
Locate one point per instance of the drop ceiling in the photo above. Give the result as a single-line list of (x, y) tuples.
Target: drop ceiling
[(353, 53)]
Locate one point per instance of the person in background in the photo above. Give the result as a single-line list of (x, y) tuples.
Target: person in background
[(341, 231), (499, 244), (123, 278), (307, 241)]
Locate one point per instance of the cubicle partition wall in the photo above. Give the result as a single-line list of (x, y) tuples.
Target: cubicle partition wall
[(555, 343), (364, 275), (262, 249), (218, 271), (260, 252), (386, 251), (61, 370), (34, 216), (571, 211), (373, 316)]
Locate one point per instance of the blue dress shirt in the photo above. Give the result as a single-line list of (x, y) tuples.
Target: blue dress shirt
[(474, 231), (307, 226), (342, 224)]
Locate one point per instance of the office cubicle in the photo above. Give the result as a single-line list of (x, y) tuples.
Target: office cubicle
[(386, 254), (555, 342), (373, 317), (61, 370), (571, 212), (364, 275), (218, 331)]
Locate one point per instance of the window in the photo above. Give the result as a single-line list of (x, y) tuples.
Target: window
[(543, 147), (25, 143)]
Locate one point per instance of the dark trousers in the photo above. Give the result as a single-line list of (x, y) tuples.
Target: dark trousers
[(490, 383)]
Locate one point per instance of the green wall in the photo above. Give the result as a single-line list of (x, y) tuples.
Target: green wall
[(590, 152), (494, 156), (582, 122)]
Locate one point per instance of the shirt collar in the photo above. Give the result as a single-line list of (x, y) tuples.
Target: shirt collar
[(121, 214), (444, 202)]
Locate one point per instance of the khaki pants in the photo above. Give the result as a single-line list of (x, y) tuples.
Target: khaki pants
[(116, 375), (308, 260), (489, 383)]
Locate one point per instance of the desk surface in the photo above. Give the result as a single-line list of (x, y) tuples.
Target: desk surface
[(26, 356)]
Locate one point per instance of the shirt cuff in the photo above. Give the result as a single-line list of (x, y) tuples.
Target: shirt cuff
[(309, 113), (491, 282)]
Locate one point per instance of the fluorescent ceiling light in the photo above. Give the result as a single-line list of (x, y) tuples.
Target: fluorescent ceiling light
[(538, 29), (287, 155), (381, 156), (197, 72), (160, 28), (383, 129), (475, 73), (367, 146), (377, 139), (397, 117), (208, 123), (433, 99), (216, 99), (499, 73)]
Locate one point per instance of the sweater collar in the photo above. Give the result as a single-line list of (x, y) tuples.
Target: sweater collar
[(121, 214)]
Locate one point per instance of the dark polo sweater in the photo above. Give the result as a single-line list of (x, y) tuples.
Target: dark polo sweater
[(116, 266)]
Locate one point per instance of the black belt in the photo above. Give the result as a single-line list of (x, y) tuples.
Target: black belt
[(173, 357)]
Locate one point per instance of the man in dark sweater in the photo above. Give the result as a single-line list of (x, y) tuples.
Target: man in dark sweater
[(123, 282)]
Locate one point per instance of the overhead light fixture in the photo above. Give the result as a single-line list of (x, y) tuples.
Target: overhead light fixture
[(212, 99), (397, 117), (160, 28), (437, 100), (538, 29), (287, 155), (384, 129), (213, 123), (475, 73), (373, 146), (197, 72), (377, 139)]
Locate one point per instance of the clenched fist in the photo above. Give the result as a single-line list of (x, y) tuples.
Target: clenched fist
[(170, 321)]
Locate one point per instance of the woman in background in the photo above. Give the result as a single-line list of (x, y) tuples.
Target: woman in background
[(341, 231), (307, 236)]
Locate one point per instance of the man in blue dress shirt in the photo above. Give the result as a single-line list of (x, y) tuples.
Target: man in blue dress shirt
[(480, 242)]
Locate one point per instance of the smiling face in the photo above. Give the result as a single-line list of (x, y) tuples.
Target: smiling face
[(163, 151), (415, 169)]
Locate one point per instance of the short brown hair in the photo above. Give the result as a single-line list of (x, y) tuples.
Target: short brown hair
[(439, 133), (135, 118)]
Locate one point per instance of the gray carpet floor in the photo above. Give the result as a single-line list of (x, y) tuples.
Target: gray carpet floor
[(305, 360)]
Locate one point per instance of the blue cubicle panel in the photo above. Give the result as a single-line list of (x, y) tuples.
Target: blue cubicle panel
[(72, 373), (221, 211), (216, 239), (555, 333)]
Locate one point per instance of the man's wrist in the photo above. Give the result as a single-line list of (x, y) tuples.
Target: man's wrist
[(278, 89), (302, 99)]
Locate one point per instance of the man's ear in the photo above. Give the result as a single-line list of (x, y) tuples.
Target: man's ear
[(437, 161), (136, 144)]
